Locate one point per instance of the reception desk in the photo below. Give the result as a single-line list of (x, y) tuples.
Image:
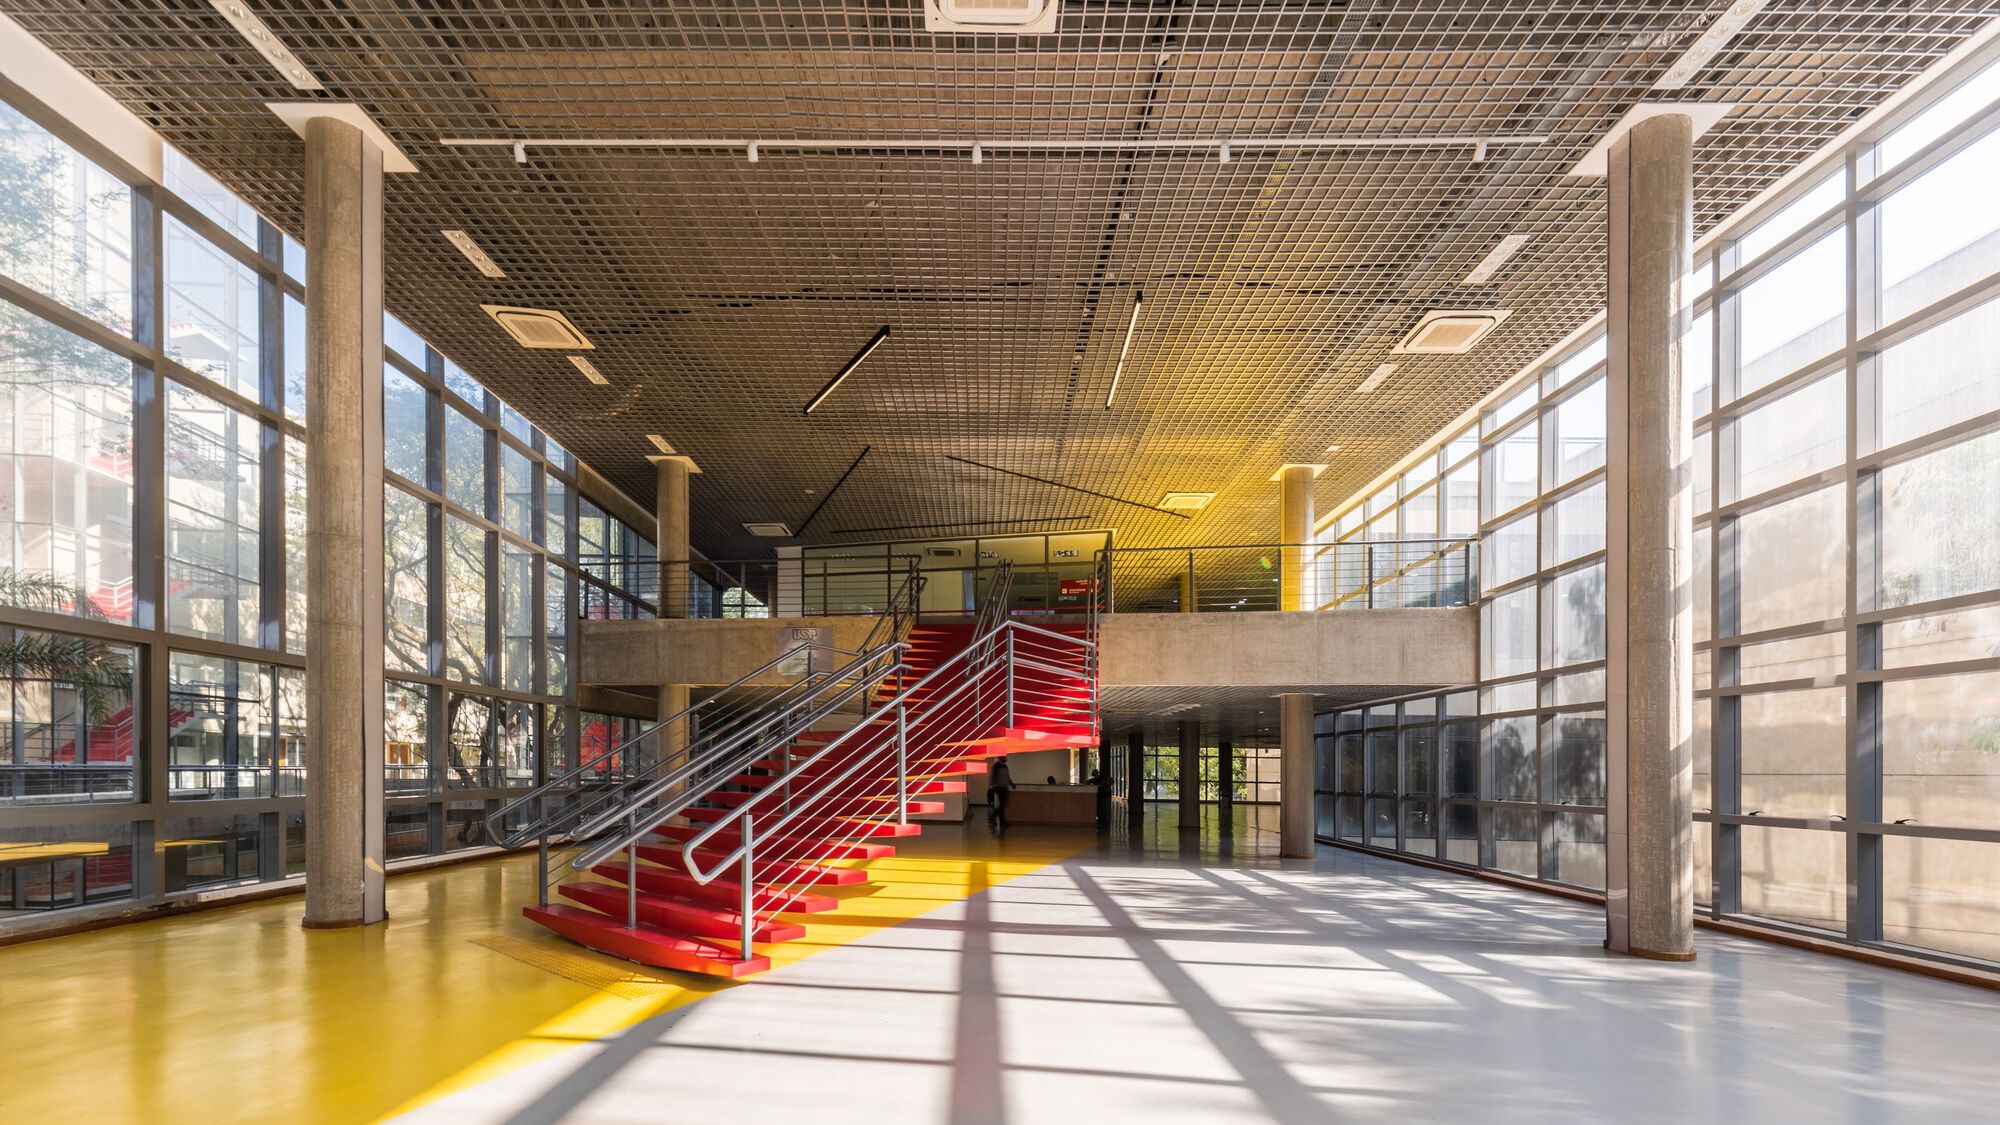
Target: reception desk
[(1052, 804)]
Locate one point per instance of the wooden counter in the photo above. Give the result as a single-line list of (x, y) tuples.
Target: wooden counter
[(1052, 804)]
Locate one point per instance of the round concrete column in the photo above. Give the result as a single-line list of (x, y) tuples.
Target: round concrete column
[(1295, 529), (1295, 774), (1189, 785), (1649, 833), (676, 586)]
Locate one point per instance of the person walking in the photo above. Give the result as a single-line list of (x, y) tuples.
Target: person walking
[(999, 785)]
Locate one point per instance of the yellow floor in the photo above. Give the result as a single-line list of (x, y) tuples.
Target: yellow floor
[(237, 1014)]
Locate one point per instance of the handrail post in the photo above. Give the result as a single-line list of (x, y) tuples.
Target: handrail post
[(1010, 678), (749, 853), (542, 851), (902, 765), (632, 870), (1367, 572)]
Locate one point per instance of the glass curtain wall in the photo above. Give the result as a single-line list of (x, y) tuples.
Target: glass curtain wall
[(1253, 772), (152, 563), (1841, 373)]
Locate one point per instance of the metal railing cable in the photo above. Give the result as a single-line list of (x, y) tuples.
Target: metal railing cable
[(1353, 574)]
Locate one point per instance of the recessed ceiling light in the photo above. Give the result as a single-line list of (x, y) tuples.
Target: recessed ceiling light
[(661, 444), (1494, 259), (590, 371), (266, 44), (768, 530), (847, 369), (473, 253), (1124, 349), (1373, 381), (1709, 44), (1334, 448), (1185, 501)]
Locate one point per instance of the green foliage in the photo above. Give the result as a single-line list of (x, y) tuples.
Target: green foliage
[(99, 675)]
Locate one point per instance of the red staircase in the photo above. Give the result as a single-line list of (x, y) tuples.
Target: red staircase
[(708, 875)]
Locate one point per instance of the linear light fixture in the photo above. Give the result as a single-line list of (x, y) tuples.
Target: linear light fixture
[(1125, 349), (591, 372), (1709, 44), (1504, 250), (473, 253), (1224, 148), (252, 29), (1369, 384), (847, 369), (662, 444)]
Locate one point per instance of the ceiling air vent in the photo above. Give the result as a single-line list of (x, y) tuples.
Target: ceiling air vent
[(538, 328), (768, 530), (1013, 17), (943, 552), (1451, 331), (1185, 501)]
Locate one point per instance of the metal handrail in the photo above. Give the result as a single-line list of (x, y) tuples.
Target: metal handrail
[(901, 610), (1149, 569)]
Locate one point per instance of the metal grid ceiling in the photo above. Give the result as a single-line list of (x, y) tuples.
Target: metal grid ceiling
[(722, 293)]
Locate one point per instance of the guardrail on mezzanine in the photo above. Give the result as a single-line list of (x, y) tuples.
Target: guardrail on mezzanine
[(1390, 573)]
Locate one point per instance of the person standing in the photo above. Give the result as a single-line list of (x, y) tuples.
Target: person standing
[(999, 785)]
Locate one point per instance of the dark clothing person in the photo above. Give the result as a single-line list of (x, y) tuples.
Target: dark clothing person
[(1103, 783), (999, 784)]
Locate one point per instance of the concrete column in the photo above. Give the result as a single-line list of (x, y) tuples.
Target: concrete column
[(1295, 529), (1649, 833), (344, 600), (1225, 797), (1190, 776), (1135, 776), (671, 513), (1295, 775)]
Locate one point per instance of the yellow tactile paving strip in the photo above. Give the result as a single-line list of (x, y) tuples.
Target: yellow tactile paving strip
[(237, 1014)]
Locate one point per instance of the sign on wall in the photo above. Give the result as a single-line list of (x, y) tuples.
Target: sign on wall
[(804, 649)]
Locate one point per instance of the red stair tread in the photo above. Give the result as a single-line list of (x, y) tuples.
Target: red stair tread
[(722, 892), (668, 855), (784, 847), (672, 916), (596, 931)]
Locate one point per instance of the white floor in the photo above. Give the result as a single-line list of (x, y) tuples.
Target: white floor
[(1134, 986)]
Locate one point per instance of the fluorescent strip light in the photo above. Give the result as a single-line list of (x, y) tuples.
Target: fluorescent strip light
[(590, 370), (1125, 349), (473, 253), (847, 369), (1709, 44), (1497, 257), (253, 30), (1373, 381)]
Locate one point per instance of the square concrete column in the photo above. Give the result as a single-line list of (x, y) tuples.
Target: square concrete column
[(1295, 775), (1649, 772), (1189, 785), (1295, 531), (344, 610)]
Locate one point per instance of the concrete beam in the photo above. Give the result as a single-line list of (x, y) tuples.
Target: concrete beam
[(700, 653), (1377, 647)]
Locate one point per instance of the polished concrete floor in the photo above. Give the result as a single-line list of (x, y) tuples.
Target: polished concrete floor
[(1046, 977)]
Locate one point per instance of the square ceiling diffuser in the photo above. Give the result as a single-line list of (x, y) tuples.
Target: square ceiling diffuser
[(1451, 331), (538, 328)]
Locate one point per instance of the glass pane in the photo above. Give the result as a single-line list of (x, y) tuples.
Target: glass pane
[(1817, 201), (464, 386), (1507, 634), (1796, 658), (1941, 750), (1941, 232), (68, 228), (518, 727), (512, 421), (1574, 526), (295, 545), (1510, 472), (465, 461), (557, 619), (1582, 360), (469, 756), (213, 519), (405, 427), (1793, 314), (71, 729), (517, 492), (1420, 827), (1510, 748), (1794, 753), (398, 338), (212, 312), (1517, 842), (66, 455), (1793, 561), (222, 743), (295, 359), (291, 750), (1512, 407), (1704, 472), (1461, 759), (1382, 763), (407, 831), (1579, 758), (1576, 434), (201, 191), (517, 619), (1461, 831), (1939, 536), (406, 580), (1945, 375), (1698, 363), (1576, 617), (555, 526), (1508, 552), (1461, 502), (1973, 95), (57, 867), (1967, 634), (1794, 875), (1579, 843), (1942, 894), (1795, 436), (465, 601), (406, 756)]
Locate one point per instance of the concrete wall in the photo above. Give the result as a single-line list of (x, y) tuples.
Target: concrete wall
[(1386, 647), (699, 653)]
